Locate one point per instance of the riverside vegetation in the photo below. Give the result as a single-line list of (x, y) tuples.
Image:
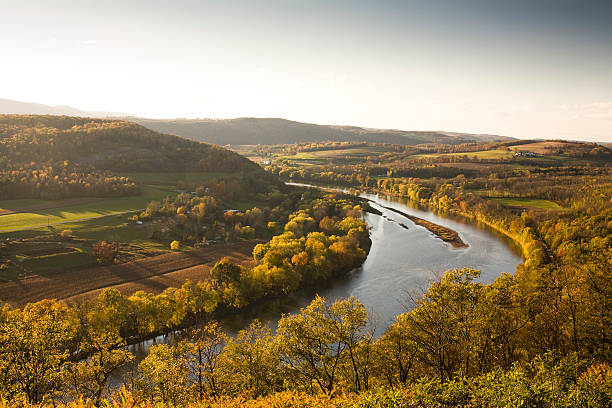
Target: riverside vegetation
[(539, 337)]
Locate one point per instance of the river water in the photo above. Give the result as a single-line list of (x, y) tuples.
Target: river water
[(404, 258)]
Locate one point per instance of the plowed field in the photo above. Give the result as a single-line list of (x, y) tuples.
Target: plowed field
[(151, 274)]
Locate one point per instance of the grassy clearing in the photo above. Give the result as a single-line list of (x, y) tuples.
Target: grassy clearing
[(76, 259), (16, 205), (116, 228), (321, 156), (110, 206), (529, 203), (483, 154)]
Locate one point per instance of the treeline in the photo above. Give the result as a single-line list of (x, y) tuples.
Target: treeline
[(508, 176), (52, 181), (49, 350), (202, 215), (463, 344)]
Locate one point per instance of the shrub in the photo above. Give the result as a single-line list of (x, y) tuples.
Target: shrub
[(105, 252), (66, 234)]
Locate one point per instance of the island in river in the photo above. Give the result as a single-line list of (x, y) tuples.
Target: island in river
[(444, 233)]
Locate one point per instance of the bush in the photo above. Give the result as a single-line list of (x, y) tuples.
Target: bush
[(105, 252)]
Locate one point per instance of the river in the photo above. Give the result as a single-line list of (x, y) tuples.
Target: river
[(404, 258)]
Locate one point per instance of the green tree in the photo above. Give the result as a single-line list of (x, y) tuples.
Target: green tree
[(205, 348), (106, 352), (36, 342), (317, 342), (250, 362), (163, 375)]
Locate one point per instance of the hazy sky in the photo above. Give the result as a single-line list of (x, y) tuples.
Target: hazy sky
[(534, 68)]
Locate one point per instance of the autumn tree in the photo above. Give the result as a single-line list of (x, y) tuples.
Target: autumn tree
[(316, 343), (105, 252), (204, 351), (106, 352), (163, 375)]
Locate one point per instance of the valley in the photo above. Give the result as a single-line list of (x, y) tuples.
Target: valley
[(153, 247)]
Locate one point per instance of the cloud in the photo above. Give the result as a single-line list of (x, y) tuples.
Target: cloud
[(87, 42)]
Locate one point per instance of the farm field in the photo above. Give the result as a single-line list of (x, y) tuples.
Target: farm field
[(528, 203), (334, 155), (544, 147), (75, 212), (152, 274), (483, 154)]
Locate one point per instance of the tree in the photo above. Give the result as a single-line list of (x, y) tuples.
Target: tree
[(250, 362), (316, 343), (105, 252), (443, 324), (205, 348), (106, 352), (163, 374), (35, 342)]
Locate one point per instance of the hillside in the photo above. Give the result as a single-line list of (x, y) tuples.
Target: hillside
[(248, 131), (114, 145), (53, 157)]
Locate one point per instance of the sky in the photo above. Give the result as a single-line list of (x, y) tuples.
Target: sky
[(529, 69)]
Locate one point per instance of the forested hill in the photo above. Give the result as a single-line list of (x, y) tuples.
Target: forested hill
[(115, 145), (243, 131)]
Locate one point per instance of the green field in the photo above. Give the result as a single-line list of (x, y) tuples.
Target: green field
[(528, 202), (483, 154), (75, 259), (84, 211)]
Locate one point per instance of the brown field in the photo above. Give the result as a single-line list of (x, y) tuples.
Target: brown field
[(152, 274)]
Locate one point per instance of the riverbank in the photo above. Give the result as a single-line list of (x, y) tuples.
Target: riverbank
[(444, 233), (519, 242), (399, 260)]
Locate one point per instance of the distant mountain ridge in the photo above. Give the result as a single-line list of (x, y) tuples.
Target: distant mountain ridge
[(250, 131), (11, 107)]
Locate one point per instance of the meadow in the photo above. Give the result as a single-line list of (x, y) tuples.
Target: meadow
[(88, 209), (482, 154), (528, 203)]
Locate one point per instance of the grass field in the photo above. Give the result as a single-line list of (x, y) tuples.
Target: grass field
[(75, 259), (483, 154), (529, 203), (82, 211)]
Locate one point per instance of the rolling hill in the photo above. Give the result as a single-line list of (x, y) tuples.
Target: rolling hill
[(52, 157), (115, 145), (11, 107), (249, 131)]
